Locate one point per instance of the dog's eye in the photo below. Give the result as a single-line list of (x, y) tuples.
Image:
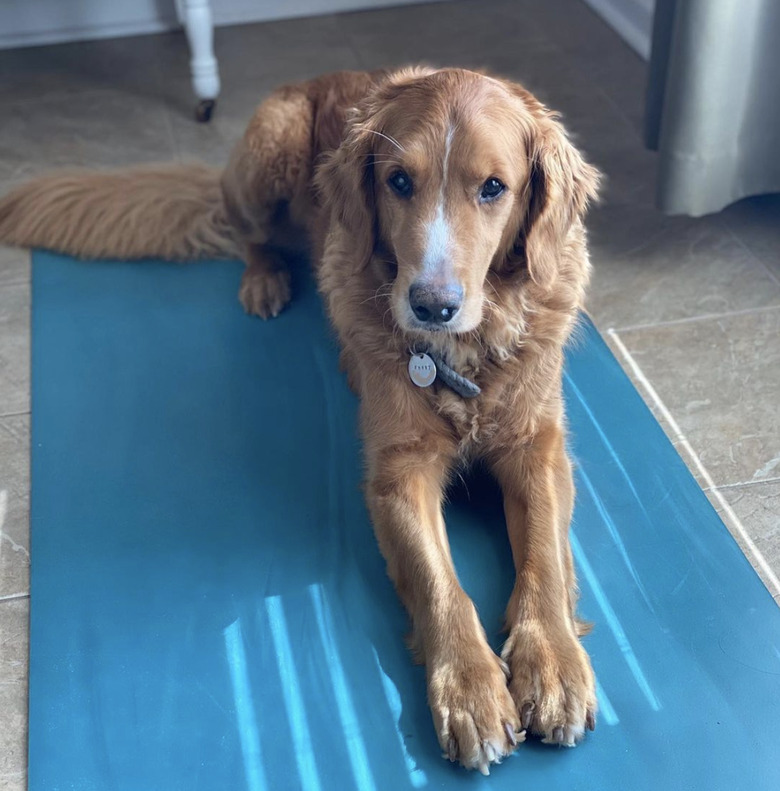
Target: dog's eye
[(491, 189), (401, 184)]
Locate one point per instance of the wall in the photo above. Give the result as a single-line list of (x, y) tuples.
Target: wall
[(26, 22)]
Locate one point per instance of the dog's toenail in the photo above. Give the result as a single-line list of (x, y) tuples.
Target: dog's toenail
[(452, 749), (527, 714), (490, 753)]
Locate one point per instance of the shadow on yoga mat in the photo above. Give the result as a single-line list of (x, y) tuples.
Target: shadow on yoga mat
[(210, 611)]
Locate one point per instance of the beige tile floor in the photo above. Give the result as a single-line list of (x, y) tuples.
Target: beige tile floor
[(691, 307)]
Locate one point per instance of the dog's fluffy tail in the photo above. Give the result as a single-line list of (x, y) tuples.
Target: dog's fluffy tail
[(173, 212)]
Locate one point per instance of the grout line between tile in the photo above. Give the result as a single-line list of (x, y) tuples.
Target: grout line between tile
[(14, 597), (58, 96), (627, 122), (15, 284), (738, 239), (14, 414), (171, 134), (747, 483), (732, 520), (694, 319), (353, 48), (165, 106)]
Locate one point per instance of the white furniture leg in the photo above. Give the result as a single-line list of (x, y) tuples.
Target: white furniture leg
[(199, 25)]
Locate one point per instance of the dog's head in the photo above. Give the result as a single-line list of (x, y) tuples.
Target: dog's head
[(445, 175)]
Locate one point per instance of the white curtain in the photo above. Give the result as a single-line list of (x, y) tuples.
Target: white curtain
[(713, 102)]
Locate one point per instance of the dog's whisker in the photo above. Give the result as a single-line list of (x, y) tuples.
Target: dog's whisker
[(389, 138), (378, 294)]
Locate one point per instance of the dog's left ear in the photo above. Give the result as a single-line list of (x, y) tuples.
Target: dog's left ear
[(345, 182), (561, 186)]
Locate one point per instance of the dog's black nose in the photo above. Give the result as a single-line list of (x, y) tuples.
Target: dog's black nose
[(434, 304)]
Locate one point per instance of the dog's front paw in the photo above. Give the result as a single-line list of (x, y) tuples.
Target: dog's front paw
[(552, 683), (264, 293), (475, 717)]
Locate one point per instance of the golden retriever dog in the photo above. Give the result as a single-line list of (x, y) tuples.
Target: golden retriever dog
[(444, 210)]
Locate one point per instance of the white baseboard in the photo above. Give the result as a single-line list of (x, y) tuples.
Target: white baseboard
[(25, 23), (35, 38), (235, 12), (631, 19)]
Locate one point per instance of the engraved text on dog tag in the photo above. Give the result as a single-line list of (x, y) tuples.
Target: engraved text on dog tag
[(422, 370)]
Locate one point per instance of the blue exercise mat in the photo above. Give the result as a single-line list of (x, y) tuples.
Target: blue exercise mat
[(210, 611)]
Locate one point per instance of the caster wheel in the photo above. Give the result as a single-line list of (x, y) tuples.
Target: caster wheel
[(204, 110)]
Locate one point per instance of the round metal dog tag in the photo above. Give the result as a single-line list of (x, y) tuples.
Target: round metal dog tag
[(422, 370)]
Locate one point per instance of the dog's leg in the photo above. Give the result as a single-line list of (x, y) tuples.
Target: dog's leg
[(265, 284), (474, 715), (269, 170), (552, 681)]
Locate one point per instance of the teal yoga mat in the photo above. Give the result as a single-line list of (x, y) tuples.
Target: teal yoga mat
[(210, 611)]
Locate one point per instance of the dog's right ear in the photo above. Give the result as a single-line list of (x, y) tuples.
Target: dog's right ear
[(562, 185), (345, 182)]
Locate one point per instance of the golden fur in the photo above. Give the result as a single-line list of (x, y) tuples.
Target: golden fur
[(318, 155)]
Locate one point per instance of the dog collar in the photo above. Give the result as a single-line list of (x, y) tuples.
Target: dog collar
[(425, 367)]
